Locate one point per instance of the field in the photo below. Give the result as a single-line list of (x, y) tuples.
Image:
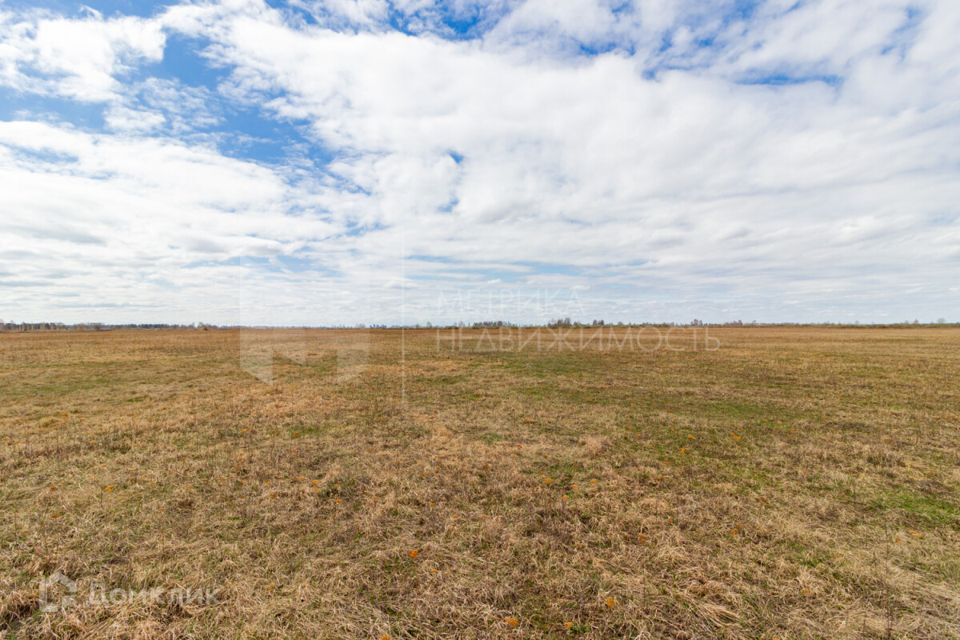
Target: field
[(743, 483)]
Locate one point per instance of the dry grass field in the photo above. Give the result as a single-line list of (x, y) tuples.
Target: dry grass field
[(792, 483)]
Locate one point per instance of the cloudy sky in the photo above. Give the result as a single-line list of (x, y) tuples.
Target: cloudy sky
[(381, 161)]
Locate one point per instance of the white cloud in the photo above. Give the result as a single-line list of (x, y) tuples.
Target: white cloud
[(353, 12), (76, 58), (121, 118), (117, 219), (825, 37), (520, 162)]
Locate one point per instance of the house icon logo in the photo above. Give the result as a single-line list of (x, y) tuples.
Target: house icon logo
[(57, 593)]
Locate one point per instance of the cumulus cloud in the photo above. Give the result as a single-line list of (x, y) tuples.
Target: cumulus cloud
[(75, 58), (656, 160)]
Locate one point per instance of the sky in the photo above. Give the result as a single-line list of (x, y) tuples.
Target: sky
[(337, 162)]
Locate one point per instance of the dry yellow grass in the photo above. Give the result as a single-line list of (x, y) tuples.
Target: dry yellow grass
[(794, 483)]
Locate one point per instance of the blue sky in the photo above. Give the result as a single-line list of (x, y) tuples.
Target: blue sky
[(382, 161)]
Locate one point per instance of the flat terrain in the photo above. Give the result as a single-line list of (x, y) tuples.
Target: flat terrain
[(772, 483)]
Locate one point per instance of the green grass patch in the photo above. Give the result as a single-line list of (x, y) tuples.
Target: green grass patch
[(927, 508)]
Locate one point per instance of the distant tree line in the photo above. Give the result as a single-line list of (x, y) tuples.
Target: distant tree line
[(87, 326), (558, 323)]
